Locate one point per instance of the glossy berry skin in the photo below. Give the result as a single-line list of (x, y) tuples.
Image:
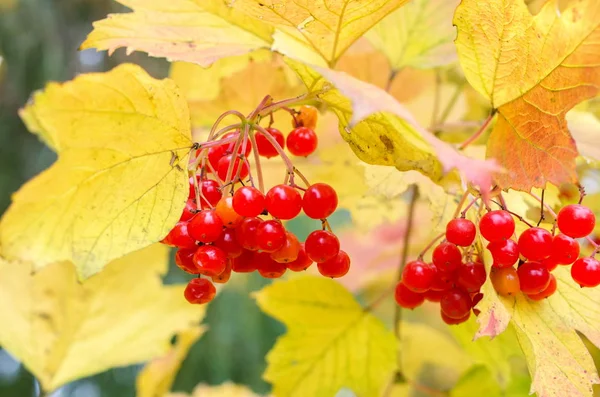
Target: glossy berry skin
[(248, 201), (505, 281), (447, 257), (565, 250), (534, 277), (456, 303), (228, 215), (497, 225), (586, 272), (245, 233), (302, 141), (335, 267), (471, 276), (283, 202), (223, 167), (550, 263), (460, 232), (444, 281), (188, 211), (244, 263), (266, 148), (231, 145), (225, 275), (434, 296), (270, 236), (210, 261), (547, 292), (215, 154), (535, 244), (504, 252), (321, 245), (454, 321), (211, 193), (205, 226), (418, 276), (301, 263), (228, 242), (576, 220), (199, 291), (406, 298), (319, 201), (267, 267), (290, 250), (179, 237), (184, 259)]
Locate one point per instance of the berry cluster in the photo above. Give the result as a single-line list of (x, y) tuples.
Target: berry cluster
[(455, 275), (238, 228)]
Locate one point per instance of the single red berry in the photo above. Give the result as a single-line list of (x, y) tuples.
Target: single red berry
[(475, 300), (290, 250), (461, 232), (534, 277), (497, 225), (244, 263), (266, 148), (576, 220), (454, 321), (335, 267), (302, 262), (188, 211), (319, 201), (321, 246), (223, 167), (505, 281), (547, 292), (535, 243), (504, 252), (434, 296), (447, 257), (418, 276), (245, 233), (210, 260), (586, 272), (225, 275), (228, 242), (248, 201), (444, 281), (550, 263), (283, 202), (270, 236), (266, 266), (211, 193), (205, 226), (456, 303), (228, 215), (215, 154), (471, 276), (179, 237), (302, 141), (406, 298), (199, 291), (184, 259), (565, 250)]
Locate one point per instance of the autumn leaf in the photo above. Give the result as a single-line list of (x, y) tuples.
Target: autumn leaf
[(326, 28), (533, 70), (119, 184), (584, 127), (478, 381), (418, 35), (62, 330), (324, 322)]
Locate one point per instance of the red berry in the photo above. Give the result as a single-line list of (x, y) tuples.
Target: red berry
[(205, 226), (471, 276), (497, 225), (447, 257), (444, 281), (335, 267), (245, 233), (215, 154), (244, 263), (576, 220), (248, 201), (210, 261), (270, 236), (534, 277), (228, 242), (565, 250), (547, 292), (535, 243), (184, 259), (290, 250), (302, 141), (460, 232), (319, 201), (505, 281), (179, 237), (211, 193), (231, 145), (455, 321), (228, 215), (456, 303), (321, 245), (586, 272), (504, 252), (225, 275), (223, 167), (406, 298), (434, 296), (418, 276), (199, 291), (188, 211), (550, 263), (266, 266), (283, 202), (301, 263), (266, 148)]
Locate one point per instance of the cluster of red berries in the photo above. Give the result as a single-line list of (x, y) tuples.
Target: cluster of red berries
[(456, 284), (229, 232)]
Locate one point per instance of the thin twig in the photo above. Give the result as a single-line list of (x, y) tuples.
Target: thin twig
[(541, 208), (478, 133)]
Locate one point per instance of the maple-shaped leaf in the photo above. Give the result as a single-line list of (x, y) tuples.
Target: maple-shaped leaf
[(119, 183), (63, 330), (325, 27), (324, 323), (533, 70), (197, 31)]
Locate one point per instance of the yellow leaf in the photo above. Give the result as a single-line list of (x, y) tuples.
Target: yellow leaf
[(226, 389), (331, 341), (533, 70), (419, 35), (197, 31), (326, 27), (479, 381), (119, 184), (585, 127), (63, 330), (157, 377)]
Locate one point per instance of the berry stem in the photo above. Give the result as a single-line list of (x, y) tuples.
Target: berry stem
[(291, 102), (301, 176), (478, 133), (460, 204), (234, 156), (581, 193), (259, 174), (544, 205), (519, 217), (541, 208), (593, 244), (220, 118), (266, 101), (464, 212), (431, 243), (284, 156)]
